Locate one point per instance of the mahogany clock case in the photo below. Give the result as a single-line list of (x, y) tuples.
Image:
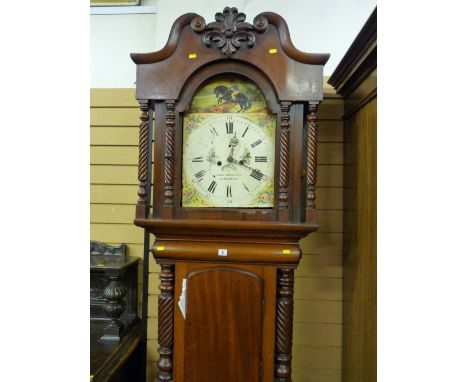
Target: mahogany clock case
[(290, 80), (237, 263)]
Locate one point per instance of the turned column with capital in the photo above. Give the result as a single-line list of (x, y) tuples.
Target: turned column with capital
[(166, 322), (142, 205), (169, 147), (311, 161), (284, 324), (284, 163)]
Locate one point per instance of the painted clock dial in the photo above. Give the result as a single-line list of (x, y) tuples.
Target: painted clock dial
[(229, 152), (228, 161)]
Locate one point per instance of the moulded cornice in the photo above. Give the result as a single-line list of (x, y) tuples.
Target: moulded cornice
[(359, 61), (272, 18), (171, 45), (288, 46)]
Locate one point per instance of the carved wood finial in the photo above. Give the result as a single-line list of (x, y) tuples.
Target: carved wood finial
[(284, 325), (166, 322), (284, 162), (169, 154), (115, 305), (229, 30), (311, 154)]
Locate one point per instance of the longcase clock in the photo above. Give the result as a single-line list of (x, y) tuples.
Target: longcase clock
[(227, 171)]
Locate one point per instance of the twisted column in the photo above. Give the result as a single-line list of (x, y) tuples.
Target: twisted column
[(166, 322), (169, 154), (284, 324), (143, 158), (284, 162), (311, 153)]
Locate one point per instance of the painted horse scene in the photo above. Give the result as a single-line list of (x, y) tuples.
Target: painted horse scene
[(229, 95)]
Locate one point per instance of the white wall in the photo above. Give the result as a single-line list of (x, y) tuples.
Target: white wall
[(113, 38), (317, 26)]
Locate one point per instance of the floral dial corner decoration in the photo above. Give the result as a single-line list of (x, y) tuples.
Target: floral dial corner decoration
[(229, 30)]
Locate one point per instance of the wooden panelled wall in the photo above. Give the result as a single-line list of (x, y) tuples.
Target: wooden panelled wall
[(355, 78), (318, 290), (360, 246)]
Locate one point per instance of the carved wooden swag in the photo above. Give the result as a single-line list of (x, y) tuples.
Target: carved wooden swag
[(229, 30)]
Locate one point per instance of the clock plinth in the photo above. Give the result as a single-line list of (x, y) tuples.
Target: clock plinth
[(227, 175)]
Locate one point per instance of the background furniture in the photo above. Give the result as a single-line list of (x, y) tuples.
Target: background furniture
[(115, 330), (116, 361), (355, 79), (113, 292)]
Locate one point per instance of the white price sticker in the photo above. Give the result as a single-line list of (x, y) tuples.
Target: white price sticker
[(222, 252), (182, 297)]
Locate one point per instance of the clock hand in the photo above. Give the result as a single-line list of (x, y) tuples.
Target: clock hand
[(241, 163), (232, 143)]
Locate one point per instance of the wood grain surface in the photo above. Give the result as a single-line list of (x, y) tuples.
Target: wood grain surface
[(355, 78), (360, 247), (221, 304)]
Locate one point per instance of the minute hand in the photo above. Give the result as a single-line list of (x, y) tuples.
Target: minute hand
[(241, 163)]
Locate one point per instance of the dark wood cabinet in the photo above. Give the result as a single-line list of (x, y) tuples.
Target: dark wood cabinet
[(113, 289), (116, 348), (116, 361), (231, 108)]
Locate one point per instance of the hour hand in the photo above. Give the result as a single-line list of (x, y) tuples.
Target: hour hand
[(241, 163)]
